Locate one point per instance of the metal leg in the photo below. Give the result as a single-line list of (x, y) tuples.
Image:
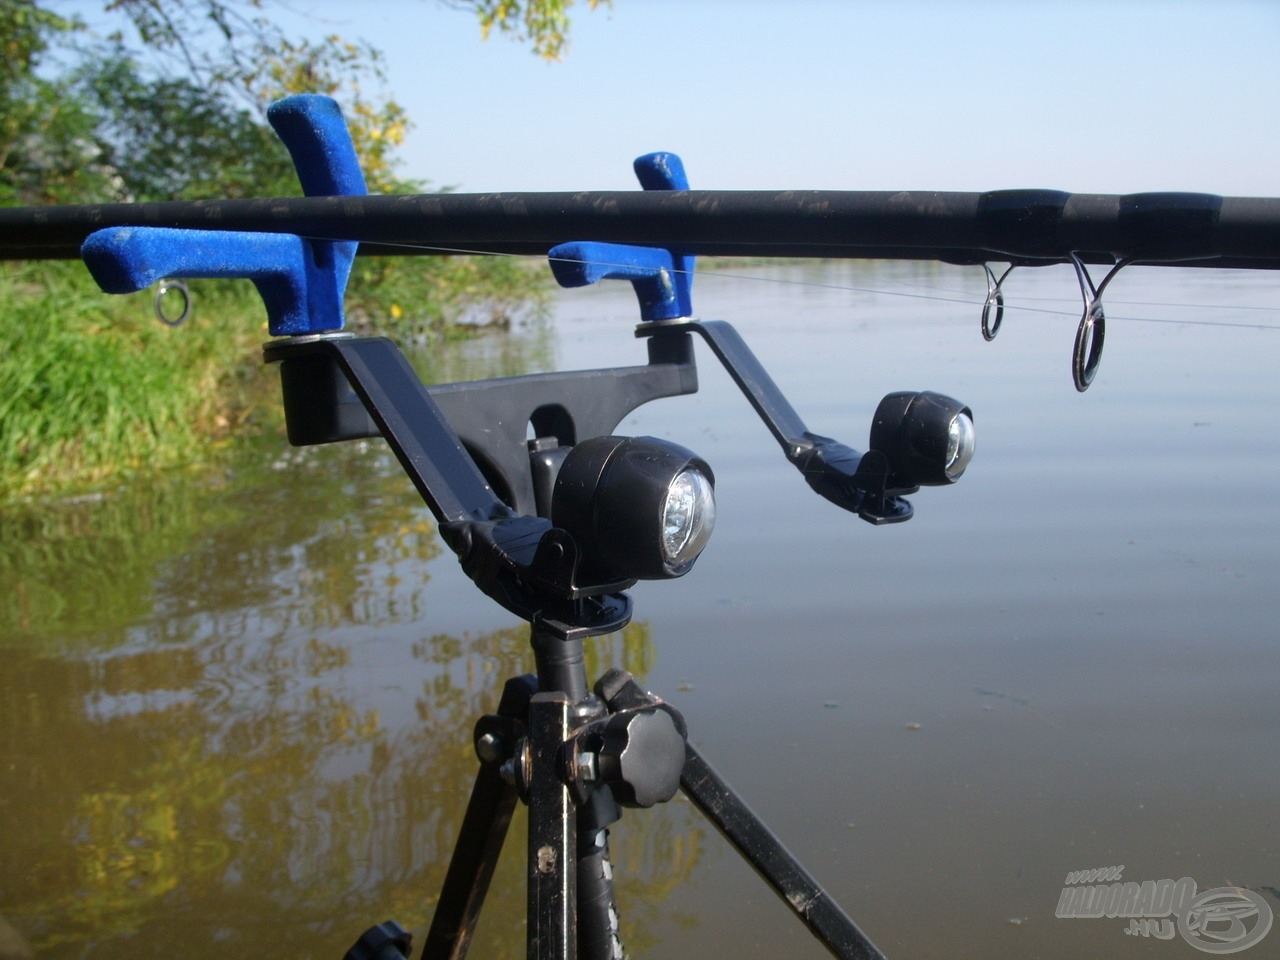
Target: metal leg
[(598, 934), (572, 912), (775, 864), (552, 835), (484, 828)]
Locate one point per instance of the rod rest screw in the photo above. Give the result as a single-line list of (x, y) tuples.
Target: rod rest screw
[(641, 757)]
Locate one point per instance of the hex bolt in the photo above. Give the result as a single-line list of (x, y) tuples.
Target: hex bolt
[(516, 769), (587, 770), (508, 771)]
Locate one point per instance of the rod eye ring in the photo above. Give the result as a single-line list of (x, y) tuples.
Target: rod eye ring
[(1090, 336), (163, 289), (995, 296), (989, 328), (1087, 353)]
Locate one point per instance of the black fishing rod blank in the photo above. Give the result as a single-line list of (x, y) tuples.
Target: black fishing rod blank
[(1025, 227)]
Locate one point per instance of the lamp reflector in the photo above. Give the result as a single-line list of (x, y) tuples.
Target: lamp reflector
[(688, 516), (960, 445)]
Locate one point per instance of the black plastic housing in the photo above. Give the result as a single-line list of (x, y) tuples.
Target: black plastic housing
[(910, 429), (320, 405), (609, 496)]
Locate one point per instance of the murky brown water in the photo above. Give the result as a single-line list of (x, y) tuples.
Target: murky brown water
[(236, 716)]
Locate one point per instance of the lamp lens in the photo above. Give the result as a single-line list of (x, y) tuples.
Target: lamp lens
[(688, 516), (960, 445)]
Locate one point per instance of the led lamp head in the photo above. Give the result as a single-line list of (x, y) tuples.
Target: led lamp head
[(638, 508), (927, 437)]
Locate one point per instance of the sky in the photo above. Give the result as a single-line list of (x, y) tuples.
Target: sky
[(1115, 97), (1096, 97)]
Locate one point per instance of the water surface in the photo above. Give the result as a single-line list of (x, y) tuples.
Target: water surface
[(237, 715)]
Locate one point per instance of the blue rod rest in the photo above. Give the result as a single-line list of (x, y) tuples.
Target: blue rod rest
[(302, 282), (662, 276)]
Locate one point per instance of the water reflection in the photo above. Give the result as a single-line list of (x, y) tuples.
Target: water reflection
[(224, 728), (232, 714)]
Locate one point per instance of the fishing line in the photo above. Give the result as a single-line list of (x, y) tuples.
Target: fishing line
[(1168, 320), (959, 298), (1177, 305), (1010, 305)]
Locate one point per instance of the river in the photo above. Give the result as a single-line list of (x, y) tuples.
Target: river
[(236, 714)]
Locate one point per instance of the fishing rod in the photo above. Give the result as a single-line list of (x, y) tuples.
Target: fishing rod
[(1021, 227)]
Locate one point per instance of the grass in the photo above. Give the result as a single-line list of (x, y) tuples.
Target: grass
[(94, 387)]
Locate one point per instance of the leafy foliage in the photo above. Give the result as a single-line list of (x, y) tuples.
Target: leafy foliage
[(171, 105), (167, 138), (230, 53), (544, 23), (47, 151)]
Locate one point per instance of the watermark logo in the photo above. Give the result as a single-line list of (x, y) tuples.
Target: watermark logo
[(1222, 920), (1225, 920)]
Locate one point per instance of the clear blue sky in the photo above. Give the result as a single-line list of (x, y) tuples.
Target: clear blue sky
[(1107, 97)]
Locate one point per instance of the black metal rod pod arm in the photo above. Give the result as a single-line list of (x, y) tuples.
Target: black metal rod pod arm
[(853, 481), (342, 387)]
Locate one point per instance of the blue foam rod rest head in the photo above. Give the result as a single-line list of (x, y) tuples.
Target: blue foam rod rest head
[(660, 289), (661, 276), (313, 130), (302, 281), (300, 296), (660, 171), (665, 171)]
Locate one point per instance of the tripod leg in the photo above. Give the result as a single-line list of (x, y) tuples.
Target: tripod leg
[(775, 864), (552, 835), (598, 935), (484, 828)]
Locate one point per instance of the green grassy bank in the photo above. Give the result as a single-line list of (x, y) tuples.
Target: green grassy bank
[(94, 387)]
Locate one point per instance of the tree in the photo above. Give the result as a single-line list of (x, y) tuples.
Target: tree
[(171, 105), (227, 57), (184, 84), (232, 48), (47, 151), (544, 23), (167, 138)]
